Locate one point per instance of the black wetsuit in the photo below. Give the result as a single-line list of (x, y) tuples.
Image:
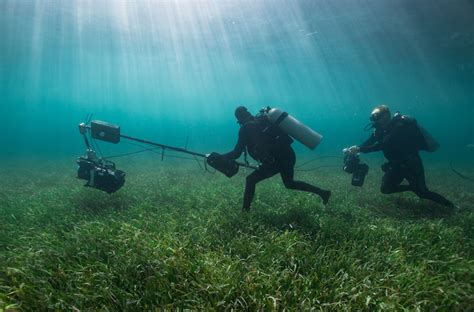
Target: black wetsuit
[(400, 143), (273, 150)]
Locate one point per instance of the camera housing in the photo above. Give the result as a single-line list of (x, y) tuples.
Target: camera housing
[(100, 174), (227, 166), (353, 166)]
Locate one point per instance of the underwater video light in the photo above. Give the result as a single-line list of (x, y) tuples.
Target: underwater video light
[(105, 131)]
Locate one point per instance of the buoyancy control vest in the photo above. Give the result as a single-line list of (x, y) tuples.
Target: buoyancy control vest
[(419, 136), (264, 140)]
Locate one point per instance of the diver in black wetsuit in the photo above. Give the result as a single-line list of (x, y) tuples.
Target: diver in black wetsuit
[(271, 147), (400, 139)]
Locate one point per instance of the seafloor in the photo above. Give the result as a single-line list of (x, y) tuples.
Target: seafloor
[(174, 237)]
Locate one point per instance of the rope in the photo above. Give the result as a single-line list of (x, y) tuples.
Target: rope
[(460, 174), (316, 168), (317, 158)]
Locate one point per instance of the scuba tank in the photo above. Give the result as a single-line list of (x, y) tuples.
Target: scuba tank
[(291, 126), (430, 143)]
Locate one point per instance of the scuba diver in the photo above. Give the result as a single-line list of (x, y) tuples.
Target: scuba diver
[(270, 146), (400, 138)]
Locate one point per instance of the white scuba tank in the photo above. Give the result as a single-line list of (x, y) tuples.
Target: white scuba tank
[(294, 128)]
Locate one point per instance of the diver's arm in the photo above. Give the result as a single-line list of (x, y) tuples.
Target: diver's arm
[(370, 145), (238, 149)]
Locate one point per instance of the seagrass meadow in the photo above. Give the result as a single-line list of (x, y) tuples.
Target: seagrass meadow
[(150, 88), (174, 237)]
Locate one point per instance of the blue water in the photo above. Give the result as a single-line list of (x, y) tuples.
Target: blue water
[(172, 70)]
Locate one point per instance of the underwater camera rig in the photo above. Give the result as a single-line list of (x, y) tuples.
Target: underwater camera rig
[(98, 172), (101, 173), (353, 166)]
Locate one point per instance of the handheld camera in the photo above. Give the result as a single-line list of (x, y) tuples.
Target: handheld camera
[(353, 166)]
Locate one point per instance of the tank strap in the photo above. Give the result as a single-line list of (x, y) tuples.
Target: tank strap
[(280, 118), (245, 156)]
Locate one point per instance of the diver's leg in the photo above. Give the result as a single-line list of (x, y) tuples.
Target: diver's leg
[(262, 173), (417, 180), (287, 175), (391, 181)]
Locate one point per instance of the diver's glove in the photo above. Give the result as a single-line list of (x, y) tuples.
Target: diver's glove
[(351, 150)]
